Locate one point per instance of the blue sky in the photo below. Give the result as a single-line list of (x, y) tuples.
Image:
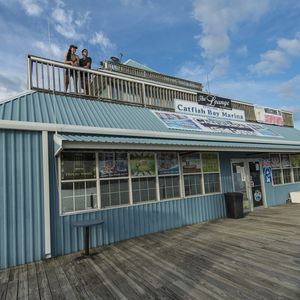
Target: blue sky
[(247, 50)]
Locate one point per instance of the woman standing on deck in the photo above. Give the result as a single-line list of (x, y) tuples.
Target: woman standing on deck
[(71, 59)]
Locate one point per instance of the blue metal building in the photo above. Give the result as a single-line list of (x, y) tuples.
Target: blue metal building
[(59, 155)]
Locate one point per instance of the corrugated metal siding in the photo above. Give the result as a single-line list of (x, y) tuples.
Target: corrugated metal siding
[(277, 195), (49, 108), (133, 221), (126, 222), (21, 198)]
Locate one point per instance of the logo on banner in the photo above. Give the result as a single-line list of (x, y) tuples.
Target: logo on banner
[(213, 101)]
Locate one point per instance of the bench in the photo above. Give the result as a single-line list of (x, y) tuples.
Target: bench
[(295, 197), (86, 225)]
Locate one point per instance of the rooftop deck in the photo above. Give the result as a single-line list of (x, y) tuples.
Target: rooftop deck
[(257, 257)]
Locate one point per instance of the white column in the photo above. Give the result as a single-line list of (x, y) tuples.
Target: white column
[(46, 179)]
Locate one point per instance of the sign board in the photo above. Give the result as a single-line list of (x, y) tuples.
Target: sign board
[(188, 122), (188, 107), (268, 115), (213, 101)]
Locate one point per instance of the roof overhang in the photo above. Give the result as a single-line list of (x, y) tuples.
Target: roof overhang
[(94, 142)]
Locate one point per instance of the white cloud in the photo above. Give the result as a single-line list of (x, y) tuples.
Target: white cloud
[(290, 46), (100, 39), (242, 51), (290, 89), (220, 68), (49, 51), (271, 62), (66, 24), (32, 7), (219, 18)]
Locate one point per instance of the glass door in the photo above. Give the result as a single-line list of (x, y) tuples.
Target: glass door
[(239, 171), (255, 183)]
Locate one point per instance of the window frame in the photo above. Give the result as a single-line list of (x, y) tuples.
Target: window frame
[(130, 177)]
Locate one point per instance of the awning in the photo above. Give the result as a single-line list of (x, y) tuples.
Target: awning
[(78, 141)]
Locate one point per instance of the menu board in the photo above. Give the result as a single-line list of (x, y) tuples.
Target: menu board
[(142, 164), (167, 163)]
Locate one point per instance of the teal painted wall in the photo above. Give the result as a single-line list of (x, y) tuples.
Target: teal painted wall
[(21, 198)]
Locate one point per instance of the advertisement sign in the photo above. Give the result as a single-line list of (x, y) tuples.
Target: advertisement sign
[(210, 162), (188, 107), (268, 115), (191, 163), (295, 160), (142, 164), (113, 164), (275, 160), (213, 101), (186, 122), (176, 121), (167, 163)]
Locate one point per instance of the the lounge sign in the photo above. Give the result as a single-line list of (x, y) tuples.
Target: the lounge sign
[(213, 101)]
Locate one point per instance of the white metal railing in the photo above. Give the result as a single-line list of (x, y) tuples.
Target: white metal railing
[(56, 77), (110, 65)]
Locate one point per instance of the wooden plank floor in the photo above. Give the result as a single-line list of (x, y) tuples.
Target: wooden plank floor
[(257, 257)]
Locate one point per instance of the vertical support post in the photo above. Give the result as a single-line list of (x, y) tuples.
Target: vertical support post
[(29, 73), (87, 241), (47, 224)]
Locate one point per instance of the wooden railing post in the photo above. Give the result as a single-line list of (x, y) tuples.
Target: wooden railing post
[(29, 73)]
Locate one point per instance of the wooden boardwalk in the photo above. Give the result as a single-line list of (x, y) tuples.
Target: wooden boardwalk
[(257, 257)]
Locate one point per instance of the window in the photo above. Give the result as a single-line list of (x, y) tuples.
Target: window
[(201, 173), (285, 168), (192, 175), (211, 170), (114, 182), (143, 174), (78, 182), (93, 180), (295, 163), (168, 175), (276, 169)]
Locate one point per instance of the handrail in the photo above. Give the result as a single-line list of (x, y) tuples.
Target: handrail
[(57, 77), (109, 65)]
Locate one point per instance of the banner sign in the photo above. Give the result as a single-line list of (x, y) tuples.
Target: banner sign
[(268, 115), (188, 122), (188, 107), (213, 101)]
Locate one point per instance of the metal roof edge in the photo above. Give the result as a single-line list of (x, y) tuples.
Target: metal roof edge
[(34, 126), (18, 95)]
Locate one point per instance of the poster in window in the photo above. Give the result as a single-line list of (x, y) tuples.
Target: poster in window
[(191, 163), (210, 162), (142, 164), (167, 163), (78, 165), (285, 160), (275, 160), (113, 164), (295, 160)]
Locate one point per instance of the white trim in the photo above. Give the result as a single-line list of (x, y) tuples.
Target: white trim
[(46, 180), (158, 147), (34, 126)]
